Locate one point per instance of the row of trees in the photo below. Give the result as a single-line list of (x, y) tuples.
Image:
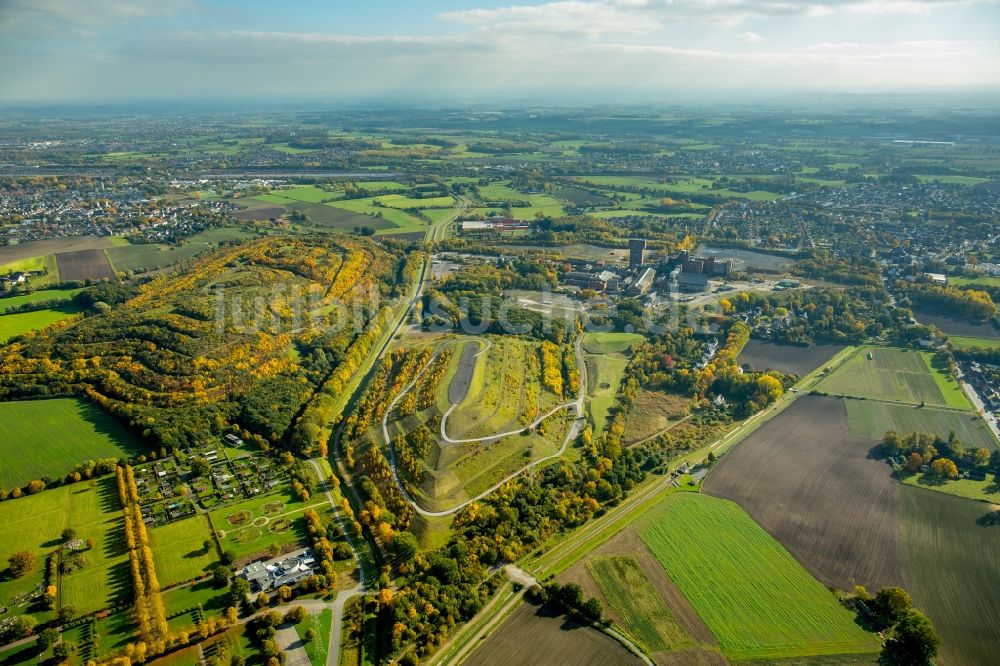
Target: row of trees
[(87, 470), (149, 612), (967, 303)]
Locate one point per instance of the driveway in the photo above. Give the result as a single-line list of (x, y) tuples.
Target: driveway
[(289, 642)]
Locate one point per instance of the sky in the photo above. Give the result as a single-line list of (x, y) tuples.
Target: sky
[(67, 51)]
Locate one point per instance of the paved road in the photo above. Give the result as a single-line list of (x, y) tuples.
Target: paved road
[(287, 639), (333, 653), (991, 420), (518, 575)]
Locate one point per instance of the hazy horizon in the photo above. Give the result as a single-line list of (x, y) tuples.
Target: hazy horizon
[(111, 51)]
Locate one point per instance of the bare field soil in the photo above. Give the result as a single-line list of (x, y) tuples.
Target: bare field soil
[(9, 253), (532, 636), (84, 264), (459, 386), (261, 213), (953, 326), (628, 543), (953, 571), (747, 259), (821, 491), (790, 359)]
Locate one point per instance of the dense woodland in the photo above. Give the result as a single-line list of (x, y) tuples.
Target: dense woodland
[(240, 342)]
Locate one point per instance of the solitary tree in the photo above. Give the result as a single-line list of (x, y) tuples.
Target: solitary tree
[(68, 534), (296, 615), (220, 576), (47, 638), (239, 591), (21, 563)]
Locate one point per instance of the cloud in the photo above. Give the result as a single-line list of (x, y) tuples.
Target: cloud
[(21, 13), (904, 53), (591, 19), (562, 44)]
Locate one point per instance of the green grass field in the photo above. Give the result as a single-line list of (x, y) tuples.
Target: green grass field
[(243, 537), (317, 648), (151, 256), (37, 297), (646, 616), (105, 578), (604, 376), (212, 600), (401, 201), (603, 343), (400, 218), (953, 569), (986, 280), (46, 262), (682, 186), (953, 180), (871, 418), (895, 374), (755, 598), (179, 553), (967, 342), (35, 523), (380, 185), (987, 490), (49, 437), (307, 193), (12, 325)]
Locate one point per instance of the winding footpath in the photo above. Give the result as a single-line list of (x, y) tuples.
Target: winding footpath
[(571, 435)]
